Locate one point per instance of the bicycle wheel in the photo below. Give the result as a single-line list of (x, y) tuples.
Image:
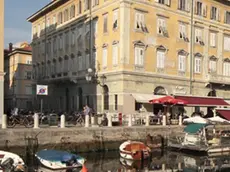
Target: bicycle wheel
[(11, 122), (28, 122)]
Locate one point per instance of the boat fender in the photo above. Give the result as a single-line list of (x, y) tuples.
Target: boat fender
[(84, 168)]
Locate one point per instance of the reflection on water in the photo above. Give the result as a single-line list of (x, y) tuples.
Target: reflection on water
[(160, 161)]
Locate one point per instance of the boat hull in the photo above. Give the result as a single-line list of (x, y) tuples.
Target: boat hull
[(134, 151), (54, 160)]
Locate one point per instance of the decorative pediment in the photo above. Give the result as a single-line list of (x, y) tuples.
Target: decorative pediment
[(72, 55), (183, 52), (226, 59), (212, 57), (66, 57), (115, 42), (87, 51), (139, 43), (60, 58), (104, 45), (198, 55), (79, 53), (161, 47), (54, 60), (94, 48)]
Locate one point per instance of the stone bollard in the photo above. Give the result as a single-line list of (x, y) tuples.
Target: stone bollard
[(62, 121), (180, 120), (130, 120), (163, 167), (36, 120), (164, 120), (109, 120), (147, 120), (86, 120), (92, 120), (4, 121)]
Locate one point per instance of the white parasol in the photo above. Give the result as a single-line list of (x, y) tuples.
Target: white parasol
[(196, 119), (218, 119)]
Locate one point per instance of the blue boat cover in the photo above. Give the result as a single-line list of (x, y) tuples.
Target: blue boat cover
[(56, 155), (194, 128)]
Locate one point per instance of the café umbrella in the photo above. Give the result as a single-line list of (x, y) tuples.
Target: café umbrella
[(167, 101)]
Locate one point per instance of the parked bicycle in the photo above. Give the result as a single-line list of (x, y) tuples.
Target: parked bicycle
[(26, 120), (76, 118)]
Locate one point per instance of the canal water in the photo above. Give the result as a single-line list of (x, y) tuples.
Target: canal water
[(161, 161)]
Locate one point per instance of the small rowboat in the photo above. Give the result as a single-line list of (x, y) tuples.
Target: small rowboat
[(59, 160), (134, 150)]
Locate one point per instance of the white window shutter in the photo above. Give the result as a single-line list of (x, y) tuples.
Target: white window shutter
[(157, 1), (204, 9), (136, 55), (187, 5)]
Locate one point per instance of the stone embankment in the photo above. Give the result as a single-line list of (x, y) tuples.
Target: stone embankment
[(83, 139)]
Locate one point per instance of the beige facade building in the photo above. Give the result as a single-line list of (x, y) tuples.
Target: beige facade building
[(18, 77), (141, 48), (1, 59)]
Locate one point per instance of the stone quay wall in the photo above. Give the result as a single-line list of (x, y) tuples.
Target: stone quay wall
[(84, 139)]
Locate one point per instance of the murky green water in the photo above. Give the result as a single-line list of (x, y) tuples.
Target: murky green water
[(160, 161)]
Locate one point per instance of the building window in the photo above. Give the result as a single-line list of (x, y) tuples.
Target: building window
[(212, 66), (73, 38), (39, 29), (199, 8), (183, 32), (95, 23), (215, 14), (28, 75), (60, 20), (87, 61), (139, 56), (140, 22), (87, 4), (165, 2), (106, 97), (105, 24), (199, 36), (115, 19), (54, 19), (95, 2), (226, 68), (115, 102), (79, 7), (161, 27), (181, 63), (227, 17), (80, 64), (160, 59), (227, 43), (213, 39), (104, 57), (66, 15), (184, 5), (72, 11), (115, 54), (197, 65), (28, 90)]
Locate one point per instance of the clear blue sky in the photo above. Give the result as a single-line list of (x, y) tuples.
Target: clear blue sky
[(17, 29)]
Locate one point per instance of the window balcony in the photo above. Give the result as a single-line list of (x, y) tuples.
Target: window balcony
[(218, 79)]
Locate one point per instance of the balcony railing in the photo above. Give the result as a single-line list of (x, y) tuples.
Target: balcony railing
[(218, 78)]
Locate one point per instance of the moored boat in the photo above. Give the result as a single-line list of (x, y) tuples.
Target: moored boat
[(197, 138), (134, 150), (59, 160), (11, 161)]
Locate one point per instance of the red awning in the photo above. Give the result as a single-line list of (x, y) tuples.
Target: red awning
[(224, 113), (203, 101)]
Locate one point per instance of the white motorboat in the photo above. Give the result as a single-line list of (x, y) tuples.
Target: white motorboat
[(12, 161), (59, 160)]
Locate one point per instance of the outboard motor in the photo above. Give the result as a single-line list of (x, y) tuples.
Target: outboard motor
[(8, 164), (69, 160)]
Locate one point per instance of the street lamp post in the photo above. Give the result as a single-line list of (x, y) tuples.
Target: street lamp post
[(93, 77)]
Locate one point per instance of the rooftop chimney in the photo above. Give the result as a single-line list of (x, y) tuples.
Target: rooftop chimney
[(10, 47)]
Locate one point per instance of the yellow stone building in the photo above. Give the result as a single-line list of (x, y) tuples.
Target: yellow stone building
[(136, 48), (18, 77), (1, 59)]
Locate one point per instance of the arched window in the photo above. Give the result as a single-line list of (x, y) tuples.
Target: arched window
[(160, 91), (106, 97), (198, 63)]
